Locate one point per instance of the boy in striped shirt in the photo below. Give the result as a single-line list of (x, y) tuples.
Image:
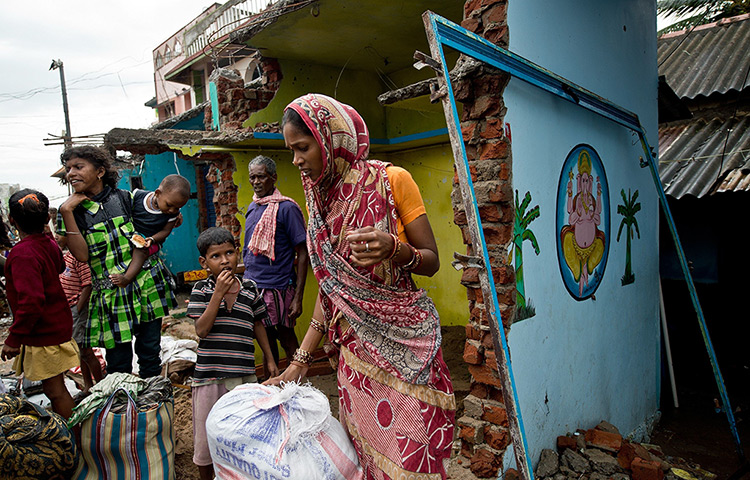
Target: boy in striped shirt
[(229, 313)]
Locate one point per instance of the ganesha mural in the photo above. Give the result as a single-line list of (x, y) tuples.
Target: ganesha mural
[(582, 222)]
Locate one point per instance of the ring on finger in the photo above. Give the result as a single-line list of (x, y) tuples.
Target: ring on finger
[(367, 247)]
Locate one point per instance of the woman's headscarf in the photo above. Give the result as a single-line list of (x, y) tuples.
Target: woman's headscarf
[(397, 326)]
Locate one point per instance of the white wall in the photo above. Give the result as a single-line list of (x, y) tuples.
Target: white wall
[(579, 362)]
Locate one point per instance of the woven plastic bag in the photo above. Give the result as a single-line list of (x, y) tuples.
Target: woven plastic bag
[(272, 433)]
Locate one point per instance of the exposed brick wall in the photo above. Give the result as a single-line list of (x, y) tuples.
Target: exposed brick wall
[(483, 428), (225, 193), (236, 104)]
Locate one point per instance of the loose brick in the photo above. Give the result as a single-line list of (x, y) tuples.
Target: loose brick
[(512, 474), (478, 390), (495, 150), (564, 442), (487, 342), (473, 333), (472, 355), (495, 414), (459, 217), (496, 438), (485, 106), (472, 24), (467, 130), (497, 14), (630, 451), (500, 193), (485, 464), (490, 213), (470, 275), (471, 7), (470, 433), (605, 426), (493, 129), (603, 440), (467, 449), (499, 234), (491, 359), (484, 374), (646, 470), (496, 394)]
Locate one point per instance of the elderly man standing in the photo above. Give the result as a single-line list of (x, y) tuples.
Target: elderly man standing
[(275, 233)]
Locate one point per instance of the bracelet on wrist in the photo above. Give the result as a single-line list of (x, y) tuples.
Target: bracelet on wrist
[(416, 259), (303, 356), (318, 325), (396, 246)]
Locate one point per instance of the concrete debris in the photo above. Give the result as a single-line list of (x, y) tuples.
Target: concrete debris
[(602, 454), (575, 462), (548, 463)]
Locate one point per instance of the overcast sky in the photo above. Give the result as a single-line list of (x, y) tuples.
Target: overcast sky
[(106, 49)]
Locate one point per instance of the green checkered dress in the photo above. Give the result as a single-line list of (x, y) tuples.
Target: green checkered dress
[(105, 222)]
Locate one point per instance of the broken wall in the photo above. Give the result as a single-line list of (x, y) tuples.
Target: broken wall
[(587, 348)]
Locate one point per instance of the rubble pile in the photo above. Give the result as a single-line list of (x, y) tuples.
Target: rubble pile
[(601, 453)]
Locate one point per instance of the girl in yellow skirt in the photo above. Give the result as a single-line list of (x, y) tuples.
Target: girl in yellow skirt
[(41, 334)]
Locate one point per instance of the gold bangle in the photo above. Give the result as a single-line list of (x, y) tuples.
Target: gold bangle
[(303, 356), (318, 325), (72, 233), (416, 259), (396, 246)]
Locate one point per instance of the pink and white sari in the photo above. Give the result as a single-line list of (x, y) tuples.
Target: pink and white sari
[(395, 394)]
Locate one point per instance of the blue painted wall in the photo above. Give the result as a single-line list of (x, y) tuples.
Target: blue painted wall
[(579, 362), (179, 251)]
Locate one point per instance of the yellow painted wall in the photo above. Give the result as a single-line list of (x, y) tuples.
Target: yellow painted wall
[(353, 87), (431, 167)]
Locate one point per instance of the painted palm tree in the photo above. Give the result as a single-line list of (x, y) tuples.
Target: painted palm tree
[(628, 210), (521, 232)]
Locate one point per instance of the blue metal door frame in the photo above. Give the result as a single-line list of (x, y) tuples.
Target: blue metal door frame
[(442, 32)]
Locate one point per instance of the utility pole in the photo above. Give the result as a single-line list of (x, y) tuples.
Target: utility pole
[(67, 139)]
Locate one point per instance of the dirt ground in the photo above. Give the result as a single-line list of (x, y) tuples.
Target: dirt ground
[(695, 431)]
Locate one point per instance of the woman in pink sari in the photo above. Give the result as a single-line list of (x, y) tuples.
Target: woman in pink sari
[(367, 233)]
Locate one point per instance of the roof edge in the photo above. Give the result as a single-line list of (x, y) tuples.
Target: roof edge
[(705, 26)]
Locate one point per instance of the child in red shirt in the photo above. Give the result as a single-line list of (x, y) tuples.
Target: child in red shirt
[(40, 336)]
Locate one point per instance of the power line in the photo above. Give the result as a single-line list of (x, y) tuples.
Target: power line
[(76, 89)]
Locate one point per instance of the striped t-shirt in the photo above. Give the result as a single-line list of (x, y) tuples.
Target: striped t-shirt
[(75, 277), (228, 350)]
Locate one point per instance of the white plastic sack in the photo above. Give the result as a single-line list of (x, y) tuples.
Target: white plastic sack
[(178, 349), (270, 433)]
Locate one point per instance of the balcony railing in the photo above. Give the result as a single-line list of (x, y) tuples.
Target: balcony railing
[(221, 22)]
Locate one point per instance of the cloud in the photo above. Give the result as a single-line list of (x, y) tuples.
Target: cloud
[(106, 50)]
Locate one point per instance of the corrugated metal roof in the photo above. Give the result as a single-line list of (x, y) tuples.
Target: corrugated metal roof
[(691, 160), (713, 58)]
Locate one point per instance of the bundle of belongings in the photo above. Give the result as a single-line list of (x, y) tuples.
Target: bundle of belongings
[(126, 429), (258, 431), (34, 443)]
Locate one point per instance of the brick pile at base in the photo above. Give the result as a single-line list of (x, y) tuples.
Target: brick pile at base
[(602, 454)]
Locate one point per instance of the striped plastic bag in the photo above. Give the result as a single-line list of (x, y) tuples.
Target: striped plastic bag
[(130, 445)]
